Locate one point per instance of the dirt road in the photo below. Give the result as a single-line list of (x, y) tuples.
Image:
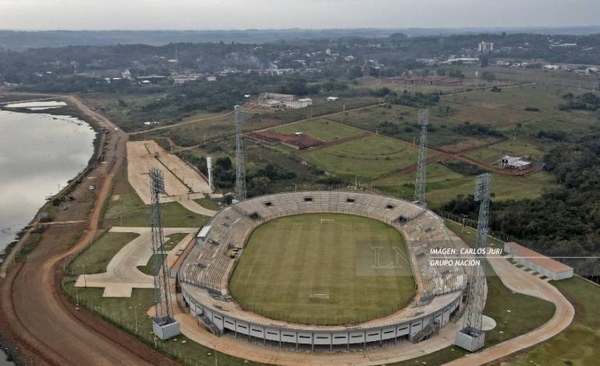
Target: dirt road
[(35, 317), (180, 124)]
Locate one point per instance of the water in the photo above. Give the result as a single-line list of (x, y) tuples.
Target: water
[(37, 106), (39, 153), (4, 361)]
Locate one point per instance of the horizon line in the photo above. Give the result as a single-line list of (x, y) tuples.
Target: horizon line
[(293, 28)]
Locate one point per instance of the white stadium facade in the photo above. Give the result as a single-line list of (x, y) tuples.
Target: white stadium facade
[(204, 274)]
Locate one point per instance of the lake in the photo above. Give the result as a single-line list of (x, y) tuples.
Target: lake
[(39, 154)]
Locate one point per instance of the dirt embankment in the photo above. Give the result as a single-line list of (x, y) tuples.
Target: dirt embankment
[(35, 317)]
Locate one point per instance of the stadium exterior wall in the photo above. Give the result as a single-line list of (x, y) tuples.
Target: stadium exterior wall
[(299, 335), (205, 272)]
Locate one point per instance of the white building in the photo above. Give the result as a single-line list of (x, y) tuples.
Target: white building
[(300, 103), (184, 78), (277, 96), (537, 262), (514, 162), (464, 60), (485, 47), (270, 103), (126, 74)]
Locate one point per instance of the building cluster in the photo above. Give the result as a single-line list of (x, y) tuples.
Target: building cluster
[(423, 80), (484, 47), (282, 101)]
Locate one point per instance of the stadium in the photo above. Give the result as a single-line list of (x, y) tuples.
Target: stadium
[(231, 279)]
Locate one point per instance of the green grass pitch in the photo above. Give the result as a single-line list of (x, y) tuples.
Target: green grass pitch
[(323, 269)]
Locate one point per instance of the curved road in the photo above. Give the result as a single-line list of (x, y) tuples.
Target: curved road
[(34, 315), (523, 282)]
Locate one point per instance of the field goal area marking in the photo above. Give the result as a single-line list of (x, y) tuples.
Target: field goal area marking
[(327, 221), (319, 296)]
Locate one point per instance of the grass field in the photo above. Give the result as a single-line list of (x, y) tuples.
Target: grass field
[(130, 314), (443, 185), (370, 157), (305, 270), (578, 345), (492, 154), (506, 111), (320, 129), (96, 257), (125, 208), (208, 203)]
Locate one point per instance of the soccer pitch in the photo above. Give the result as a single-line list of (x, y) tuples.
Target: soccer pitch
[(323, 269)]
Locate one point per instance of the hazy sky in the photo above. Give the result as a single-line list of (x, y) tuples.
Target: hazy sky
[(269, 14)]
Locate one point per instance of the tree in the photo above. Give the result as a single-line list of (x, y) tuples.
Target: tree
[(354, 72), (485, 60), (260, 185), (456, 73), (224, 162), (488, 76)]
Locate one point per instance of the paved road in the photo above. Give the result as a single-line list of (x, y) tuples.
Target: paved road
[(122, 274), (141, 156), (523, 282)]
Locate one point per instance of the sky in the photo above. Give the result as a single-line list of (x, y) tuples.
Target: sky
[(282, 14)]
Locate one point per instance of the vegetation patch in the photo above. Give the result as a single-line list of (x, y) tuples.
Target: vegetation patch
[(208, 203), (129, 210), (586, 102), (417, 99), (96, 257), (474, 129), (153, 266), (320, 129), (130, 315), (461, 167)]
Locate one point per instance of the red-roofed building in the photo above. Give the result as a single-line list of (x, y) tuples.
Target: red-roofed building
[(537, 262)]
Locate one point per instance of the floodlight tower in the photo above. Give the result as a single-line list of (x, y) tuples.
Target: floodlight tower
[(163, 325), (422, 163), (472, 336), (240, 168), (210, 178)]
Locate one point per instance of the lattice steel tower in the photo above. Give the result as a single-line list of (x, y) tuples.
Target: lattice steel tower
[(472, 336), (240, 167), (163, 323), (422, 163)]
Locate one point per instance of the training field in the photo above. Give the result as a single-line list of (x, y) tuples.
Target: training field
[(323, 269), (369, 157)]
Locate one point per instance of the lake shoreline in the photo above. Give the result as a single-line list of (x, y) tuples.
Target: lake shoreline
[(12, 248)]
